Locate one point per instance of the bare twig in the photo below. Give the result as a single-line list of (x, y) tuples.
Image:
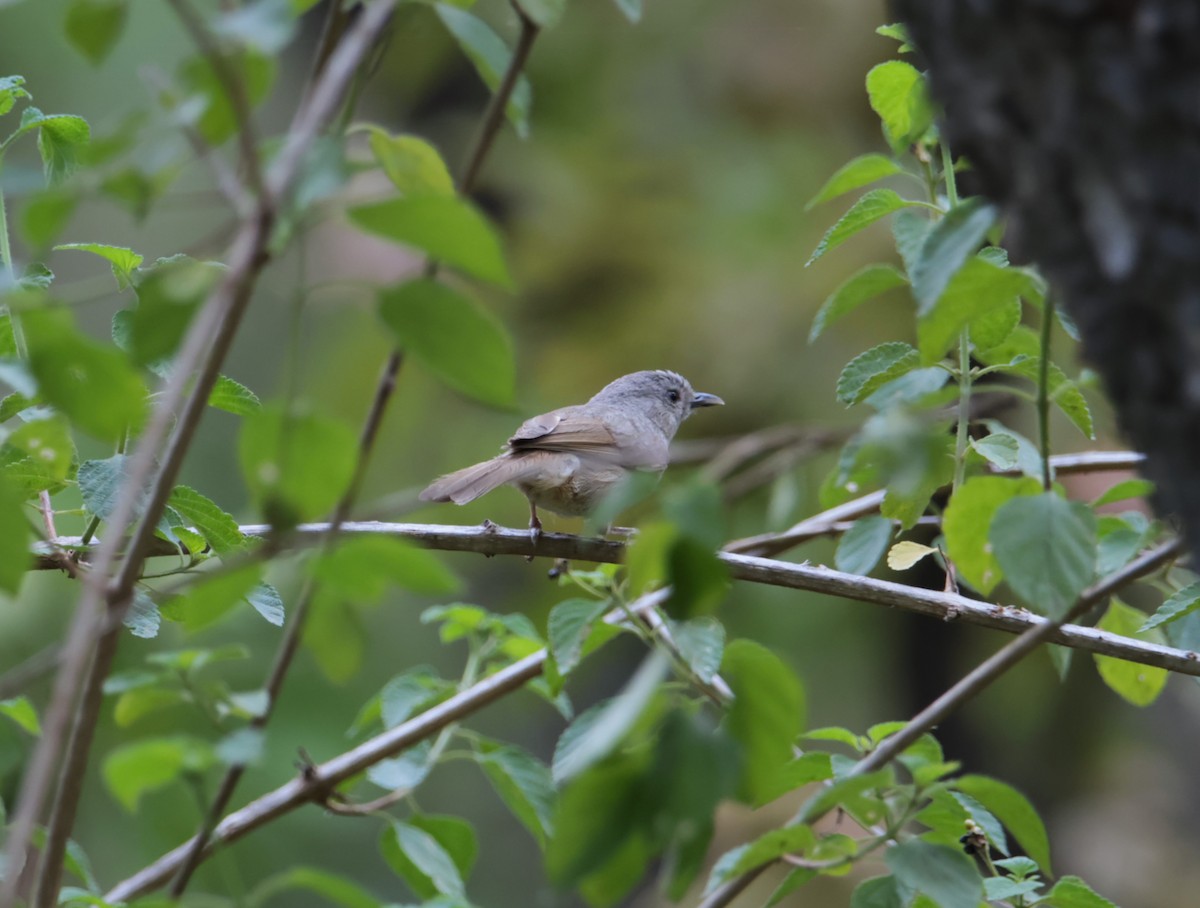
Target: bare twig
[(970, 685)]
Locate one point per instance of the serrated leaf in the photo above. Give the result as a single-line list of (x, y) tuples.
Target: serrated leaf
[(874, 205), (865, 285), (38, 455), (999, 449), (233, 397), (1046, 547), (265, 600), (768, 847), (212, 597), (701, 643), (218, 528), (976, 289), (142, 618), (448, 229), (968, 519), (1180, 604), (490, 56), (861, 171), (1072, 892), (567, 628), (944, 874), (861, 546), (897, 94), (874, 368), (124, 261), (404, 772), (904, 554), (1013, 810), (45, 215), (1137, 684), (950, 242), (421, 861), (61, 139), (524, 783)]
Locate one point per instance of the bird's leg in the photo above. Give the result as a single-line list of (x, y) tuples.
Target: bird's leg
[(535, 525)]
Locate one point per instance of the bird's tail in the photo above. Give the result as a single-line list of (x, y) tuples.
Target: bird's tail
[(469, 483)]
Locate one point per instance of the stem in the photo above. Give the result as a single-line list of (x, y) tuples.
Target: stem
[(7, 261), (948, 174), (963, 437), (1043, 391)]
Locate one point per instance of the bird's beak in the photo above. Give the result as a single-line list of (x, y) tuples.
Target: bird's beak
[(706, 400)]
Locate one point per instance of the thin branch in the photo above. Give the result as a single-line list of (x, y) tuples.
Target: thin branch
[(1043, 391), (289, 645), (970, 685), (235, 90), (197, 365), (317, 782)]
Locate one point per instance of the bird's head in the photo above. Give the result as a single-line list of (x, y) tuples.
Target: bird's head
[(666, 397)]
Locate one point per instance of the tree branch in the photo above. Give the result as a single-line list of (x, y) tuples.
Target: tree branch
[(316, 782), (197, 365), (970, 685)]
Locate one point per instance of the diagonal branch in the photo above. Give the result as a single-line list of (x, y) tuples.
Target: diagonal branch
[(186, 393), (970, 685)]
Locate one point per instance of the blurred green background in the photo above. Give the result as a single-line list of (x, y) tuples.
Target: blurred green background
[(654, 219)]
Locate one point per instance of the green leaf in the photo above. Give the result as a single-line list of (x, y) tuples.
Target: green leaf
[(124, 261), (241, 747), (546, 13), (217, 122), (404, 772), (877, 892), (460, 342), (94, 26), (876, 204), (874, 368), (45, 215), (142, 767), (1046, 547), (21, 711), (362, 568), (38, 455), (1013, 810), (410, 162), (813, 766), (265, 25), (421, 861), (968, 519), (1018, 355), (332, 888), (897, 32), (218, 528), (768, 847), (1072, 892), (996, 326), (898, 95), (296, 462), (701, 643), (909, 229), (861, 171), (1137, 684), (600, 731), (143, 618), (233, 397), (169, 295), (767, 714), (265, 600), (212, 597), (568, 627), (1181, 604), (10, 91), (490, 57), (1000, 450), (455, 835), (865, 285), (945, 875), (861, 546), (100, 484), (61, 138), (448, 229), (976, 289), (1124, 490), (952, 240), (524, 784), (143, 701), (94, 385)]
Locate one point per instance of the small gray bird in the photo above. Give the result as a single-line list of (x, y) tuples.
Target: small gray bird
[(567, 460)]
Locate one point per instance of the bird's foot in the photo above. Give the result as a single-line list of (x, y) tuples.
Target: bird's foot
[(535, 532), (489, 525), (561, 567), (623, 532)]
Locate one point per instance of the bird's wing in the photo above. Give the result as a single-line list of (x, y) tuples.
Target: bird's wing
[(565, 430)]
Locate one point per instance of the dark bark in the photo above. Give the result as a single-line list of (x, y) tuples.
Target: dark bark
[(1081, 118)]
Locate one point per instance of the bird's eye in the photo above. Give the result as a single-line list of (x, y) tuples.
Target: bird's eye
[(673, 395)]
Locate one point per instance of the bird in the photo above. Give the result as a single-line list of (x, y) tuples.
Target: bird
[(567, 460)]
